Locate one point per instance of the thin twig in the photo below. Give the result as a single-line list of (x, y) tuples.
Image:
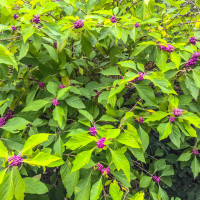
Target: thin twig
[(17, 37), (142, 168)]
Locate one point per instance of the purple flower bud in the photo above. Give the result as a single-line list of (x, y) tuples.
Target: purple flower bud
[(36, 19), (113, 19), (140, 78), (16, 160), (140, 121), (41, 84), (171, 119), (195, 151), (122, 77), (55, 102), (137, 25), (15, 16), (93, 131), (13, 28), (78, 24), (178, 112), (97, 94), (61, 86), (193, 40), (55, 45), (100, 143)]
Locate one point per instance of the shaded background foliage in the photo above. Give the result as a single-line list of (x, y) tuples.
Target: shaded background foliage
[(121, 67)]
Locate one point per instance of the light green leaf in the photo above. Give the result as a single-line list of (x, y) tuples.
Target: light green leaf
[(81, 160), (164, 129), (70, 180), (195, 166), (3, 150), (159, 165), (112, 133), (161, 60), (121, 162), (82, 190), (58, 113), (156, 116), (27, 32), (96, 190), (51, 52), (115, 191), (52, 88), (168, 171), (2, 175), (59, 147), (87, 115), (145, 181), (62, 92), (110, 71), (196, 77), (35, 105), (33, 141), (129, 64), (194, 90), (144, 137), (24, 50), (175, 58), (75, 102), (34, 186), (86, 45), (185, 156), (138, 196)]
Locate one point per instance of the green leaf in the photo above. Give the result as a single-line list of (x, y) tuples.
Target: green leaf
[(87, 115), (70, 180), (145, 181), (144, 137), (112, 133), (121, 162), (115, 191), (62, 92), (138, 196), (3, 150), (168, 171), (175, 136), (195, 166), (147, 94), (15, 124), (35, 105), (86, 45), (96, 190), (33, 141), (117, 32), (24, 50), (75, 102), (43, 159), (83, 188), (175, 58), (159, 165), (81, 160), (185, 156), (52, 88), (34, 186), (161, 60), (110, 71), (58, 113), (18, 183), (27, 32), (51, 52), (164, 129), (59, 147), (162, 192), (196, 77), (129, 64), (2, 175), (156, 116), (190, 84), (7, 57)]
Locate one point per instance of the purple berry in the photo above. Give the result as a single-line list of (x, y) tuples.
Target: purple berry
[(195, 151), (2, 121), (100, 167), (41, 84), (13, 28), (169, 48), (113, 19), (105, 171), (178, 112), (171, 119), (55, 102), (16, 160), (93, 131), (193, 40), (55, 45), (193, 60), (140, 121), (100, 143), (36, 19), (15, 16), (154, 178), (158, 180), (78, 24), (137, 25), (61, 86), (9, 115)]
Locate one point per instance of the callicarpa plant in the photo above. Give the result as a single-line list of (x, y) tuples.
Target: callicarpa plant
[(99, 100)]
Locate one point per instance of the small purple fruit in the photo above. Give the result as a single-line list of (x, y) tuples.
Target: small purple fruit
[(137, 25), (113, 19), (78, 24), (15, 16), (171, 119)]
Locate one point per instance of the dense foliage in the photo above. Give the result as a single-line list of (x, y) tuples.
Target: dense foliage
[(99, 99)]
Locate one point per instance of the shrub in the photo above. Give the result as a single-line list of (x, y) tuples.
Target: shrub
[(99, 99)]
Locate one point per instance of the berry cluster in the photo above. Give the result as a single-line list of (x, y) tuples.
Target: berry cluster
[(36, 19), (156, 179), (41, 84), (137, 25), (103, 170), (55, 102), (195, 151), (15, 16), (168, 48), (193, 40), (93, 131), (61, 86), (113, 19), (178, 112), (100, 143), (140, 121), (7, 116), (78, 24), (172, 119), (193, 60), (13, 28), (16, 160), (55, 45)]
